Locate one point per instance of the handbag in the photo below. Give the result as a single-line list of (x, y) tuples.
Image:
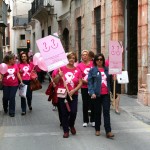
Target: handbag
[(61, 93), (22, 90), (33, 75), (35, 85)]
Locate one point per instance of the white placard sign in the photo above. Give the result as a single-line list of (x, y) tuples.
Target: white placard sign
[(123, 77)]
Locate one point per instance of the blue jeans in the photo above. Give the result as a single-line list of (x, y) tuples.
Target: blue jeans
[(9, 94), (28, 97), (68, 118), (102, 103)]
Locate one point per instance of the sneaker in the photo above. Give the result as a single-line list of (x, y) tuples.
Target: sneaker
[(66, 135), (85, 124), (97, 133), (110, 135), (73, 130), (23, 113), (93, 124)]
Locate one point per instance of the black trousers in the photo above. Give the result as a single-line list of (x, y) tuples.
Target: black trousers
[(68, 118), (102, 103), (88, 104)]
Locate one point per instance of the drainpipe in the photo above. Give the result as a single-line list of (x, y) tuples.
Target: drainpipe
[(70, 5)]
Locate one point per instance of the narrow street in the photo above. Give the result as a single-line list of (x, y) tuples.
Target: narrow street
[(39, 129)]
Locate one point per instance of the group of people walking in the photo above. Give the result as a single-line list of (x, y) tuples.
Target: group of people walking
[(17, 74), (90, 75)]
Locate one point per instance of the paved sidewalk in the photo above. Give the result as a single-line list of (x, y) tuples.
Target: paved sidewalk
[(131, 105)]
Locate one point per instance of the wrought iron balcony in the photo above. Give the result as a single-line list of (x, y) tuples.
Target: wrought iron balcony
[(20, 21), (3, 14), (39, 9)]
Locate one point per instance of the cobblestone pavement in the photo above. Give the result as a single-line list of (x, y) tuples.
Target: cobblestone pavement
[(40, 130)]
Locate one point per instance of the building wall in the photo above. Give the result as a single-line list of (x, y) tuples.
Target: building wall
[(143, 52)]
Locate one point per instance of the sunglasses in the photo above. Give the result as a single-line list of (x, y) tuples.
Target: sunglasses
[(99, 59)]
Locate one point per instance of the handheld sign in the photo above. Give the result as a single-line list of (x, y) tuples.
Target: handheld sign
[(52, 51), (115, 57)]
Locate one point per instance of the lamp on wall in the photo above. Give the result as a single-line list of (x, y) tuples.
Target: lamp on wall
[(48, 8), (9, 10)]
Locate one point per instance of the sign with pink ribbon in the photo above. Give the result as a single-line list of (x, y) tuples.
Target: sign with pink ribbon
[(52, 52), (115, 57)]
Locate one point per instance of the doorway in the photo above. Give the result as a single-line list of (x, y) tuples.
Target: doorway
[(132, 50), (66, 39)]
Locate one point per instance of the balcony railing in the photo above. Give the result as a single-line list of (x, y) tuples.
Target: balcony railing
[(36, 5), (3, 14), (20, 20)]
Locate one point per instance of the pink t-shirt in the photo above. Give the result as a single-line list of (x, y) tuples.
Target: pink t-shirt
[(104, 89), (10, 77), (71, 77), (55, 72), (25, 70), (85, 71), (107, 63)]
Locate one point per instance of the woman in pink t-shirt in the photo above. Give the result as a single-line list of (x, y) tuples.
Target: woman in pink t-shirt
[(10, 84), (25, 68), (72, 77), (88, 105)]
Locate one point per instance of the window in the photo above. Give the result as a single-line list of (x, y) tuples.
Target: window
[(49, 30), (4, 38), (79, 37), (42, 33), (98, 28), (7, 40), (22, 37)]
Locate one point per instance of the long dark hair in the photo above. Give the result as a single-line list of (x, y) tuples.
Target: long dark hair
[(21, 57), (96, 58)]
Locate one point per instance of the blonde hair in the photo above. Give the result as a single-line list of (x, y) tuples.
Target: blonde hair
[(85, 51), (69, 54)]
